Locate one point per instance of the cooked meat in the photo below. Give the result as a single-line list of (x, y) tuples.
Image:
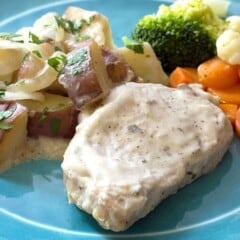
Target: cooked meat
[(145, 142)]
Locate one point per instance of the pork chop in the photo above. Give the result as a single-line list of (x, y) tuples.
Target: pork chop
[(143, 144)]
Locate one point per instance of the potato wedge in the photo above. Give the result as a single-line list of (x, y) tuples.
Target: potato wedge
[(117, 67), (145, 65), (94, 25), (54, 117), (11, 56), (56, 88), (13, 132), (84, 75)]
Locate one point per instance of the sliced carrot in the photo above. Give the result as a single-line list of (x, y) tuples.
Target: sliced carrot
[(215, 73), (229, 95), (237, 122), (183, 75), (230, 110)]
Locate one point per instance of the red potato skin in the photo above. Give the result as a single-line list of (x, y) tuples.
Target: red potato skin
[(81, 87), (117, 68), (30, 66), (65, 119)]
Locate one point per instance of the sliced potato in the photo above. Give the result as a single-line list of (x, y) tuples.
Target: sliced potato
[(42, 79), (96, 26), (30, 66), (146, 65), (84, 75), (117, 67), (13, 133), (56, 88), (54, 117), (11, 56), (16, 96)]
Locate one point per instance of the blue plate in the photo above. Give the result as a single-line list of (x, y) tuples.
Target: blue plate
[(33, 202)]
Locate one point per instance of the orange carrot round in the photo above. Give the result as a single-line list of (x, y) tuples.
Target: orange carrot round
[(228, 95), (230, 110), (183, 75), (216, 73)]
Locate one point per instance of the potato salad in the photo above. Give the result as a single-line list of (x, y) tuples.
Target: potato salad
[(54, 68)]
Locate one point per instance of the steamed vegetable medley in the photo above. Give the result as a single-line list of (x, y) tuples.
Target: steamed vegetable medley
[(62, 63), (197, 44)]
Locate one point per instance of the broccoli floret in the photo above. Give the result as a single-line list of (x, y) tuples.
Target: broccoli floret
[(181, 34)]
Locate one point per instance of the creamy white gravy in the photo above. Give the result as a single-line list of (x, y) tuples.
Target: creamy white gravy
[(142, 128)]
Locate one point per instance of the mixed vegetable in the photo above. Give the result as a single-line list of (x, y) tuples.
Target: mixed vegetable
[(197, 44), (182, 34), (217, 77)]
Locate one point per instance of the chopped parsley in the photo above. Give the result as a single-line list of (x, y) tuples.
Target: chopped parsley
[(33, 38), (73, 27), (56, 48), (26, 57), (57, 62), (78, 37), (37, 53), (136, 46), (5, 114), (75, 71), (65, 24), (77, 57), (55, 125), (5, 125), (43, 115), (61, 105), (10, 37), (2, 93)]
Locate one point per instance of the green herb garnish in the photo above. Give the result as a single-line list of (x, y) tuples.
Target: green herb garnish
[(5, 114), (26, 57), (37, 53), (81, 37), (73, 27), (77, 57), (55, 125), (34, 38), (5, 125), (75, 71), (56, 48), (2, 93), (10, 37), (43, 114), (57, 61), (65, 24), (136, 46)]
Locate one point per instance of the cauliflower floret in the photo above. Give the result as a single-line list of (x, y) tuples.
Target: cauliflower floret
[(234, 23), (228, 46), (228, 43)]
